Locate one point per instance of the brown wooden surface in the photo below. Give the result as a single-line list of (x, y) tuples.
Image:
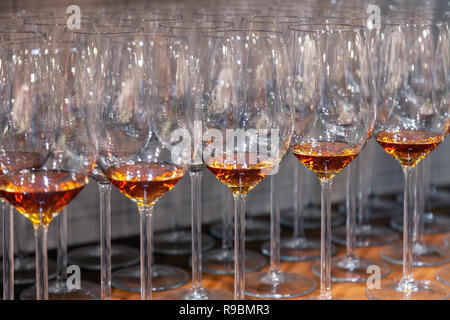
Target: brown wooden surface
[(354, 291)]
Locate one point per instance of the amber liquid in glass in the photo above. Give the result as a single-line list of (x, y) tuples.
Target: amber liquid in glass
[(240, 178), (408, 146), (326, 158), (41, 194), (144, 183)]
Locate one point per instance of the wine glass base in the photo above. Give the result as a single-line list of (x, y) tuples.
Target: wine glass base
[(311, 218), (221, 261), (346, 269), (397, 290), (366, 236), (324, 298), (443, 275), (178, 243), (25, 270), (189, 294), (266, 285), (440, 198), (163, 278), (255, 230), (297, 249), (432, 224), (383, 208), (425, 254), (89, 257), (60, 291)]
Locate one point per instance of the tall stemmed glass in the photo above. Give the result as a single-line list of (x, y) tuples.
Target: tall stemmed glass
[(367, 205), (7, 212), (192, 30), (141, 71), (129, 278), (332, 71), (297, 248), (89, 257), (54, 28), (409, 128), (43, 125), (246, 108), (179, 241)]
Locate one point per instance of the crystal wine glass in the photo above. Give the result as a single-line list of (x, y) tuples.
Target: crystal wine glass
[(247, 118), (334, 115), (141, 69), (46, 128), (409, 126)]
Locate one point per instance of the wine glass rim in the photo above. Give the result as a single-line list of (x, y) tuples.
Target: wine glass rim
[(325, 27), (412, 22), (34, 36), (239, 11), (214, 33), (131, 30), (39, 22), (199, 27), (152, 17), (275, 18)]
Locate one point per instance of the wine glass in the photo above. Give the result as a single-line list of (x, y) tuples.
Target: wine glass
[(334, 113), (46, 135), (297, 248), (117, 256), (245, 107), (367, 205), (409, 126), (8, 263), (141, 69), (54, 28)]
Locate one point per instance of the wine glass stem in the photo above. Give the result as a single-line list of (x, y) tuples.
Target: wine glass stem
[(105, 240), (363, 210), (227, 233), (8, 251), (418, 189), (40, 232), (61, 249), (325, 239), (20, 223), (274, 227), (408, 207), (351, 208), (299, 231), (239, 245), (146, 212), (195, 173)]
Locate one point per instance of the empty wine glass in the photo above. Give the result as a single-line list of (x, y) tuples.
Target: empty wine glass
[(410, 124), (334, 113)]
